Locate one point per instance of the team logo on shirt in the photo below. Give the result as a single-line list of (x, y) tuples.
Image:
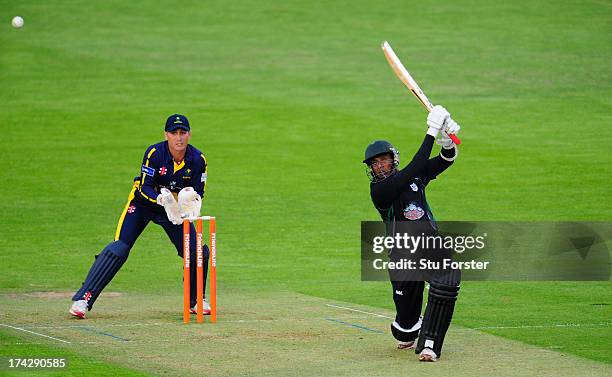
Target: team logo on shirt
[(163, 170), (131, 209), (187, 174), (414, 187), (413, 212)]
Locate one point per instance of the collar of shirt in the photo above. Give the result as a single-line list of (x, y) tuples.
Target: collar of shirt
[(170, 161)]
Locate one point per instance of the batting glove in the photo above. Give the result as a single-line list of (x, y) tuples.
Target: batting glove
[(436, 119), (451, 127), (444, 141)]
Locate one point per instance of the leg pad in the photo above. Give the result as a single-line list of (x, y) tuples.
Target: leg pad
[(104, 268), (443, 292)]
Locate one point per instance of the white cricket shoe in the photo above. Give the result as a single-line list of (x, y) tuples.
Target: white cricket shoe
[(78, 309), (405, 345), (428, 355), (205, 308)]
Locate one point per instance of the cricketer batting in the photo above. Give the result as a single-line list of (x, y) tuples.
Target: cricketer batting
[(399, 195)]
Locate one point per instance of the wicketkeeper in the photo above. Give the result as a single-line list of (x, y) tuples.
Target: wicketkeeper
[(399, 195), (169, 188)]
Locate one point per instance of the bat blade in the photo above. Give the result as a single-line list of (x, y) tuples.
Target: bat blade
[(402, 73)]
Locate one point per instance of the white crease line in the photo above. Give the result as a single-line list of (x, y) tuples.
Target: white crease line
[(360, 311), (91, 324), (542, 326), (104, 325), (605, 324), (139, 342), (35, 333), (491, 327)]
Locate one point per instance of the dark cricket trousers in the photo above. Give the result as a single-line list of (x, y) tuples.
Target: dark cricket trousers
[(408, 299)]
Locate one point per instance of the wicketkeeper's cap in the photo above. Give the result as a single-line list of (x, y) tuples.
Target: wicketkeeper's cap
[(176, 121)]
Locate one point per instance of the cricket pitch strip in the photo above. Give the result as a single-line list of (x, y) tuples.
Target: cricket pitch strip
[(264, 334)]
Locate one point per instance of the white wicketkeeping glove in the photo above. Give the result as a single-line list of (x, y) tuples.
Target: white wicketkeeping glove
[(189, 203), (436, 119), (166, 199)]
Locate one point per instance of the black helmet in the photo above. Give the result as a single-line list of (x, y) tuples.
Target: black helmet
[(377, 148)]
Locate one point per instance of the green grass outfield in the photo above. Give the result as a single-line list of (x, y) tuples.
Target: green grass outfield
[(283, 97)]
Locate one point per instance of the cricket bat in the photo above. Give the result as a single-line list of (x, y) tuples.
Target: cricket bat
[(402, 73)]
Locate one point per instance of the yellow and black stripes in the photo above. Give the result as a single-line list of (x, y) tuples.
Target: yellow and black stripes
[(130, 197)]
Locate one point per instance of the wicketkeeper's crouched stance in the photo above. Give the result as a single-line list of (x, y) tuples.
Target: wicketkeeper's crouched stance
[(399, 195), (170, 187)]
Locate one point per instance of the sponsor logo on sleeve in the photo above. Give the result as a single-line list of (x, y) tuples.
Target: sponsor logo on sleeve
[(148, 170), (203, 179)]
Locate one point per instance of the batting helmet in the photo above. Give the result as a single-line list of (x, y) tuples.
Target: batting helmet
[(378, 148)]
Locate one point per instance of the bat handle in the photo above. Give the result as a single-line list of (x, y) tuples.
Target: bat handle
[(455, 139)]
